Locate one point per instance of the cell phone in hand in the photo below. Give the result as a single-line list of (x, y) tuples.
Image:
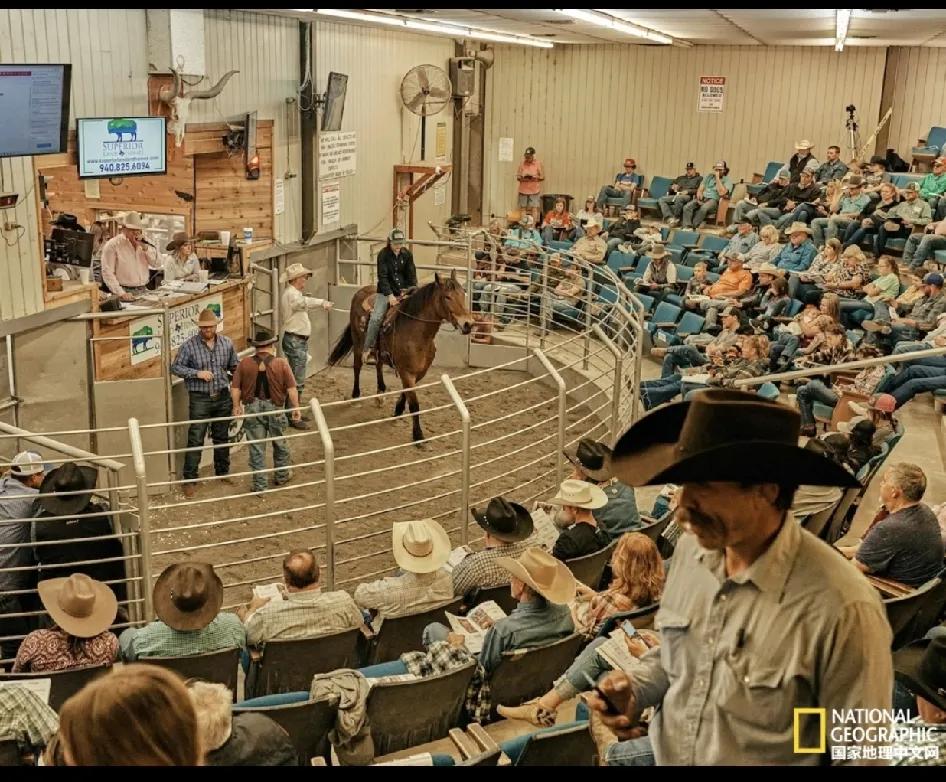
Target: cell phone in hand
[(612, 709), (629, 628)]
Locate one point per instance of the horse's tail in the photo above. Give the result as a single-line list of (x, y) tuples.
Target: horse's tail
[(342, 348)]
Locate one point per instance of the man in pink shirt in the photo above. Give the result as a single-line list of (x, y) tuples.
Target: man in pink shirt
[(125, 260), (529, 174)]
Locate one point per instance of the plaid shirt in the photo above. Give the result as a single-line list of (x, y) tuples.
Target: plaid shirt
[(158, 640), (25, 718), (409, 593), (440, 657), (480, 569), (194, 356), (928, 309), (307, 614)]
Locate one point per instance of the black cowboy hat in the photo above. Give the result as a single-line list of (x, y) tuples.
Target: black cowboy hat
[(722, 435), (507, 521), (262, 338), (69, 221), (592, 458), (70, 477), (921, 666)]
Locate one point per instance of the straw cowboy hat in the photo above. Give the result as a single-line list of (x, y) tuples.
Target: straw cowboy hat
[(420, 546), (262, 338), (592, 458), (921, 666), (70, 477), (658, 252), (188, 596), (541, 571), (579, 494), (207, 317), (507, 521), (804, 144), (132, 220), (722, 435), (769, 268), (798, 227), (80, 605), (178, 240), (295, 271)]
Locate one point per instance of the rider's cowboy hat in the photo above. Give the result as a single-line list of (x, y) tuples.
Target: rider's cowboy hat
[(506, 521), (420, 546), (295, 271), (543, 573), (188, 596)]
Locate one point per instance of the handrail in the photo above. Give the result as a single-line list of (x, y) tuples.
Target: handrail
[(69, 450)]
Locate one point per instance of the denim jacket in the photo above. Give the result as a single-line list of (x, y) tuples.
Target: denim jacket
[(796, 259), (534, 623)]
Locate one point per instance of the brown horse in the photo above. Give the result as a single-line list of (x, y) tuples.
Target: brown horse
[(408, 345)]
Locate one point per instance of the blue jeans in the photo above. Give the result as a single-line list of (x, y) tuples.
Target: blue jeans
[(694, 213), (672, 205), (258, 428), (900, 332), (609, 191), (824, 228), (783, 350), (921, 247), (687, 389), (390, 668), (200, 405), (813, 391), (633, 752), (855, 311), (915, 380), (656, 392), (880, 242), (856, 233), (765, 215), (679, 357), (297, 354), (483, 293), (513, 748), (550, 234), (374, 322)]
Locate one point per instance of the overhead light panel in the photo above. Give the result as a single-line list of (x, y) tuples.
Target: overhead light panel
[(602, 19), (430, 26), (843, 22)]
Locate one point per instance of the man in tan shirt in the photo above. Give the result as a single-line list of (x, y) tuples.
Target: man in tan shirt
[(260, 386), (126, 260), (758, 617)]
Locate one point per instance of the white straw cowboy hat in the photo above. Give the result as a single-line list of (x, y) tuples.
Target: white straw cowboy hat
[(80, 605), (420, 546), (798, 227), (543, 573), (769, 268), (579, 494), (294, 271), (133, 220), (804, 144), (207, 317)]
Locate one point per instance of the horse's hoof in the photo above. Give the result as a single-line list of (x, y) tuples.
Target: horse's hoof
[(378, 400)]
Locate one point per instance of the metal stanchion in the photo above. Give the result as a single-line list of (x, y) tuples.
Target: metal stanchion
[(144, 522), (464, 457), (562, 404), (617, 383), (328, 448), (589, 297)]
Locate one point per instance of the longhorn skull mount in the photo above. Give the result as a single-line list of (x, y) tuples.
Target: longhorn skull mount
[(180, 102)]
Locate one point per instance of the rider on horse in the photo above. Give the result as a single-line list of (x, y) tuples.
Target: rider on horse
[(396, 274)]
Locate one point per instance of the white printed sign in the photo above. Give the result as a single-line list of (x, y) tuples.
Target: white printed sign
[(440, 195), (337, 153), (331, 203), (181, 320), (505, 150), (145, 339), (279, 196), (121, 146), (712, 92)]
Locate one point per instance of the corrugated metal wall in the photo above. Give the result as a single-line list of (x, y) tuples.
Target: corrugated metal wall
[(917, 78), (376, 60), (585, 108)]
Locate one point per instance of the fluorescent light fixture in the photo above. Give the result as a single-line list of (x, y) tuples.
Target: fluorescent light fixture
[(439, 28), (843, 22), (613, 23)]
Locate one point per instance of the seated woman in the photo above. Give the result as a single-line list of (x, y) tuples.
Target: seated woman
[(867, 227), (775, 301), (826, 264), (182, 263), (764, 251), (746, 360), (566, 297), (804, 334), (877, 293), (557, 225), (591, 212), (638, 582), (82, 610)]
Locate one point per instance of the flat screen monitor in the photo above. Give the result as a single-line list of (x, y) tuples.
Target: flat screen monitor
[(335, 101), (121, 146), (34, 109), (73, 247)]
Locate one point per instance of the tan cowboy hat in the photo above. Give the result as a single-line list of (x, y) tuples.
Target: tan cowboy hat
[(132, 220), (541, 571), (207, 317), (420, 546), (294, 271), (579, 494), (188, 596), (768, 268), (798, 227), (178, 240), (658, 251), (80, 605), (804, 144)]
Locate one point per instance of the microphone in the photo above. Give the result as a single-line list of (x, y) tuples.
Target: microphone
[(142, 240)]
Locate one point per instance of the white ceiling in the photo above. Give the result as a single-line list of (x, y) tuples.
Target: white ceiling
[(721, 27)]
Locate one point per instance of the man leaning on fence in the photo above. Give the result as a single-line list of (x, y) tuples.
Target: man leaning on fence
[(204, 362), (261, 384)]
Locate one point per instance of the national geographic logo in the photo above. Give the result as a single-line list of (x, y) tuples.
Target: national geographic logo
[(809, 713), (862, 734)]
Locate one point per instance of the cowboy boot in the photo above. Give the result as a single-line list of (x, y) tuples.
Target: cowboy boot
[(602, 735), (530, 711)]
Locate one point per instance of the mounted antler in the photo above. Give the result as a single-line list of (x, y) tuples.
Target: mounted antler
[(180, 103)]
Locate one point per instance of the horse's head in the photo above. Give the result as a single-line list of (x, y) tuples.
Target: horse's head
[(454, 302)]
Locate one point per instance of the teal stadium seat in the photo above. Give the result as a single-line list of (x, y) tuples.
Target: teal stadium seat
[(771, 169), (659, 187)]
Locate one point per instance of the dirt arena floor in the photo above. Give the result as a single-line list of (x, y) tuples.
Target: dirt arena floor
[(507, 458)]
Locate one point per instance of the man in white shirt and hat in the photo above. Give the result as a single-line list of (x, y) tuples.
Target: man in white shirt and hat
[(127, 258), (421, 549), (296, 326)]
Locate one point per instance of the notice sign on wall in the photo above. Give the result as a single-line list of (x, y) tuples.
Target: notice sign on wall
[(337, 154), (331, 203), (712, 91)]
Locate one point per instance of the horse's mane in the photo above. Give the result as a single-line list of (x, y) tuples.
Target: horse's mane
[(418, 301)]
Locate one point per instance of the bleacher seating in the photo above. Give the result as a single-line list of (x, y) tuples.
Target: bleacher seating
[(759, 181), (929, 147), (659, 187), (64, 684), (288, 666), (403, 633), (308, 724), (589, 568)]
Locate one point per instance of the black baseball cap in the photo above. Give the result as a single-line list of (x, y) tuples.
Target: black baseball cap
[(530, 150), (691, 165)]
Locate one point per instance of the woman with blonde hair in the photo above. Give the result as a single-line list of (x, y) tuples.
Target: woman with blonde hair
[(138, 715), (805, 333), (637, 581), (180, 261), (763, 251)]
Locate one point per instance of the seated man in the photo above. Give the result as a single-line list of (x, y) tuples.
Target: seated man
[(187, 600), (918, 378), (26, 719), (592, 463), (782, 207), (797, 255), (922, 245), (305, 612), (734, 283), (923, 317), (491, 288), (744, 239), (590, 248), (624, 186), (680, 192), (714, 187), (581, 535), (681, 356), (507, 525), (832, 169), (752, 205), (523, 236), (911, 214), (660, 275), (621, 232), (849, 208), (801, 159), (906, 544), (421, 549), (566, 297), (933, 188)]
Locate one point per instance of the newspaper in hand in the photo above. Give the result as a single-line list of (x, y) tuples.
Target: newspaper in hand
[(474, 626), (424, 759), (456, 557), (615, 653), (544, 531), (271, 591)]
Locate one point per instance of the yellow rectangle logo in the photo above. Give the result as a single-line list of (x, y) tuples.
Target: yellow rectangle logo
[(796, 729)]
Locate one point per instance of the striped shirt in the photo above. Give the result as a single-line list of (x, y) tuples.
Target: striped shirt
[(194, 356), (26, 718), (308, 614), (406, 594), (159, 640), (480, 569)]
